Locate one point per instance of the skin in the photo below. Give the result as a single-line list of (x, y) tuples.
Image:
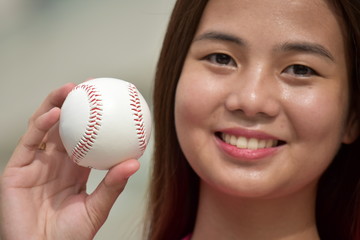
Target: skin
[(263, 67), (43, 193)]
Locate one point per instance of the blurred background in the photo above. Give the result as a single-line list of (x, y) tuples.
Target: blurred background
[(47, 43)]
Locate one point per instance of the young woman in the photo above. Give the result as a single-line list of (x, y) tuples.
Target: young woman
[(256, 110), (262, 70)]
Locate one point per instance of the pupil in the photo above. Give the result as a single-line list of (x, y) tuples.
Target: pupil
[(301, 70), (222, 59)]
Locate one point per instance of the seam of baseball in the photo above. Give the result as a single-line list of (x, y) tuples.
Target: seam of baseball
[(94, 122), (138, 116)]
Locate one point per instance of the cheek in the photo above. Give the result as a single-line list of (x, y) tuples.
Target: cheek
[(319, 115), (187, 105), (197, 102), (197, 99)]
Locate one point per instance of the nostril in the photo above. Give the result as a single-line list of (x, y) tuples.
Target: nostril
[(252, 104)]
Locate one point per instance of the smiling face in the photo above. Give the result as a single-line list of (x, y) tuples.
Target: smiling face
[(262, 101)]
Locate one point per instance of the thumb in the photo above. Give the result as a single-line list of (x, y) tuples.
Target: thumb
[(99, 203)]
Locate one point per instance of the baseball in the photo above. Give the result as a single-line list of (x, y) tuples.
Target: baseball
[(104, 121)]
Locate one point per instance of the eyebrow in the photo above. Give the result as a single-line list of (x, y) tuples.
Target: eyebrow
[(306, 47), (221, 37)]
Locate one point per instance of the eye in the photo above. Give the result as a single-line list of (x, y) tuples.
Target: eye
[(300, 71), (221, 59)]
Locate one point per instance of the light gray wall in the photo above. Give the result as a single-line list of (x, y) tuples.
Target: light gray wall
[(47, 43)]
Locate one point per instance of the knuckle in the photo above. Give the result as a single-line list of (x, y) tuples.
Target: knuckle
[(31, 121)]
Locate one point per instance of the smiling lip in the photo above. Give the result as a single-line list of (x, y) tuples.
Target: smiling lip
[(247, 145)]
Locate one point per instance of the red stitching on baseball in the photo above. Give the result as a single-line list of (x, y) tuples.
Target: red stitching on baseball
[(94, 122), (138, 116)]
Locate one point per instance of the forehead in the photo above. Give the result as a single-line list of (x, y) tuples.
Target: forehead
[(276, 20), (305, 11)]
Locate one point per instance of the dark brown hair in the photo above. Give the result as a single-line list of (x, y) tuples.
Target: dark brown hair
[(174, 185), (338, 201)]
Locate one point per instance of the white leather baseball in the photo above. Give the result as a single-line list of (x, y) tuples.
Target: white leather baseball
[(104, 121)]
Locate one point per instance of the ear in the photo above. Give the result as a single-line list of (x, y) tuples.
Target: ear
[(351, 130)]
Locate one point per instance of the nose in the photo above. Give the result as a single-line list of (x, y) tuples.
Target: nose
[(254, 94)]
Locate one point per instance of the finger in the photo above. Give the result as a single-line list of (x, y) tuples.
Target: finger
[(54, 99), (53, 139), (59, 145), (36, 132), (103, 198), (40, 122)]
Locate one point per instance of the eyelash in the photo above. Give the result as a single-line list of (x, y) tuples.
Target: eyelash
[(309, 71), (219, 58)]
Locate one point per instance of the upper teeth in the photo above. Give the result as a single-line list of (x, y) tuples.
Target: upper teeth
[(249, 143)]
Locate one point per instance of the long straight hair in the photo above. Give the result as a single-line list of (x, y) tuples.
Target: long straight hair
[(338, 200), (174, 187)]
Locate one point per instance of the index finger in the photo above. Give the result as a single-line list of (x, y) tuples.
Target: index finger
[(39, 125), (54, 99)]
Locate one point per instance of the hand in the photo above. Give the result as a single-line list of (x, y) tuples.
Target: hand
[(43, 193)]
